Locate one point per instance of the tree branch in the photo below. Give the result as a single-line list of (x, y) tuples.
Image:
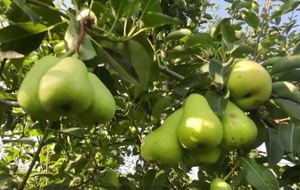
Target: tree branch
[(39, 3), (9, 103), (2, 66), (170, 73), (36, 156)]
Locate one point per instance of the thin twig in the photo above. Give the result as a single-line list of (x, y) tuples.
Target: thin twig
[(170, 73), (2, 65), (39, 3), (264, 14), (9, 103), (36, 156)]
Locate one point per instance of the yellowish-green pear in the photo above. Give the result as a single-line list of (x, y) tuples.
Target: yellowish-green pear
[(219, 184), (203, 155), (103, 105), (162, 145), (28, 97), (65, 88), (199, 125), (250, 84), (239, 130)]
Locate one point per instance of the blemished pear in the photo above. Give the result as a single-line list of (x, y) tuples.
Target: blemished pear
[(203, 155), (239, 130), (250, 84), (103, 105), (28, 97), (65, 88), (219, 184), (199, 125), (162, 145)]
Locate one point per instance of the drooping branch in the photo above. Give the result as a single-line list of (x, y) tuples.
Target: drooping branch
[(170, 73), (9, 103)]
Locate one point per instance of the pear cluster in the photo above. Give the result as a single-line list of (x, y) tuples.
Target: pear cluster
[(195, 135), (57, 87)]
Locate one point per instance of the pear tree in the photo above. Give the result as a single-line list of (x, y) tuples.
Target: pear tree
[(149, 94)]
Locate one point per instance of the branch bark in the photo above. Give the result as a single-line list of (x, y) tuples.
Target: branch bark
[(2, 66), (170, 73), (9, 103)]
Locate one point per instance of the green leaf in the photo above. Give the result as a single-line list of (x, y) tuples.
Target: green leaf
[(28, 11), (289, 135), (24, 140), (119, 64), (123, 7), (7, 96), (160, 105), (10, 55), (140, 61), (160, 180), (289, 107), (148, 179), (217, 101), (5, 177), (86, 51), (251, 18), (14, 38), (239, 50), (288, 5), (259, 176), (151, 6), (109, 180), (219, 72), (199, 39), (228, 33), (152, 20), (197, 80), (77, 132), (181, 52), (274, 147)]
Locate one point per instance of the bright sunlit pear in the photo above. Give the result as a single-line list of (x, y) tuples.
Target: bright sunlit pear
[(199, 125)]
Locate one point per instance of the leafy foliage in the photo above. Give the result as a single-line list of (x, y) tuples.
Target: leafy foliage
[(150, 75)]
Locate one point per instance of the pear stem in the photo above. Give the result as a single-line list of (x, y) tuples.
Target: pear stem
[(36, 156), (68, 54), (232, 170)]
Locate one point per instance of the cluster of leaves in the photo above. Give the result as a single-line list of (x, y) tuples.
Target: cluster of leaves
[(149, 75)]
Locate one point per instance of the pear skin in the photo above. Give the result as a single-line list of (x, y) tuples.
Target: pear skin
[(28, 92), (199, 125), (239, 130), (65, 88), (162, 145), (203, 155), (250, 84), (103, 106), (219, 184)]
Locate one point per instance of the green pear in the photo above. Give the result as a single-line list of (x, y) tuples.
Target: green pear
[(103, 106), (65, 88), (199, 125), (28, 92), (239, 129), (162, 145), (203, 155), (219, 184), (250, 84)]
